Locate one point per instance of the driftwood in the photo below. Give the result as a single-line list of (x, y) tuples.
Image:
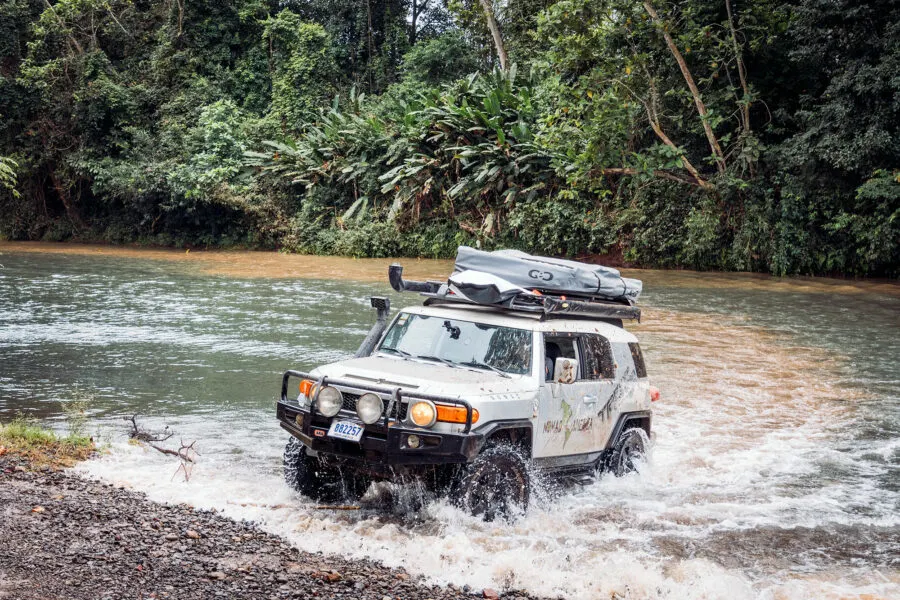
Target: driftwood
[(186, 453), (145, 435)]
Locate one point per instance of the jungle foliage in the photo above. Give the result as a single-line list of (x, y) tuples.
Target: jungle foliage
[(759, 135)]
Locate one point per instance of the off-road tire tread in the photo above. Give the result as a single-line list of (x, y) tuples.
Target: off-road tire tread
[(635, 437), (492, 461)]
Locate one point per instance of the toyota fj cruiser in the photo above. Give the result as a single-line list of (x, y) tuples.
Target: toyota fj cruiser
[(472, 398)]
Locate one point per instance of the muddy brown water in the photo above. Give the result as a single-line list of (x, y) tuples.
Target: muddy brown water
[(775, 471)]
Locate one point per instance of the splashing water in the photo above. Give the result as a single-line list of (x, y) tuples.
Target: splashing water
[(774, 472)]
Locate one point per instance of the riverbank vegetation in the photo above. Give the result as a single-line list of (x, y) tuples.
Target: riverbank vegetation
[(41, 447), (711, 134)]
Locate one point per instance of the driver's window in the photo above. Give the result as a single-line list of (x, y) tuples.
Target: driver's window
[(558, 347)]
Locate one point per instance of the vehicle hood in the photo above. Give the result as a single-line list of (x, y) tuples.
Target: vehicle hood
[(425, 377)]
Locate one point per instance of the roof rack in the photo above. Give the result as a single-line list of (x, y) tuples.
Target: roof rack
[(548, 304)]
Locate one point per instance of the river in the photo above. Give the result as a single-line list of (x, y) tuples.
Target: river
[(774, 473)]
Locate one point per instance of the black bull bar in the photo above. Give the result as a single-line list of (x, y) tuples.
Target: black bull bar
[(396, 394)]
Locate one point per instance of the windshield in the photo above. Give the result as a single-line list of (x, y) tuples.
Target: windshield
[(460, 343)]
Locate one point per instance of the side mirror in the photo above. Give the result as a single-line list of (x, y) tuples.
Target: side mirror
[(565, 370)]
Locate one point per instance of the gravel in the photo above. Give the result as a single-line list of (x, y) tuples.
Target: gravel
[(69, 538)]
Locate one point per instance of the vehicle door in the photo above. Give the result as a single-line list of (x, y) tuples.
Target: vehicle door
[(567, 411), (603, 400)]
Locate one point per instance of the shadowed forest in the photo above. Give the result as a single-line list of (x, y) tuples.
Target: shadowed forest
[(710, 134)]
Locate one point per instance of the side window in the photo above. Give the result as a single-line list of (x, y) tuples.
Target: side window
[(598, 360), (638, 356), (557, 346)]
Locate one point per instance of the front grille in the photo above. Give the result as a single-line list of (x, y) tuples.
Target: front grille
[(350, 401), (399, 412)]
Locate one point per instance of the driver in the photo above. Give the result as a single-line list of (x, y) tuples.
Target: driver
[(551, 353)]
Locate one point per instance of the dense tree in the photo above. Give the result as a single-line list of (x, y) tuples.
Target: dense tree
[(712, 134)]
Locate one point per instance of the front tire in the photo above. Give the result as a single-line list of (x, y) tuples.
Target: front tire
[(494, 484), (630, 449), (315, 478)]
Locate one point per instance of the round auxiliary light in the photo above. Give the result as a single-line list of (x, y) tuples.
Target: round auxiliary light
[(413, 441), (369, 408), (422, 413), (329, 401)]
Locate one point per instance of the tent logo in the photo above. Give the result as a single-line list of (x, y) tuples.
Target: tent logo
[(542, 275)]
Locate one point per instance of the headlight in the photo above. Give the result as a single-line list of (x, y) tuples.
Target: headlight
[(422, 413), (369, 408), (329, 401)]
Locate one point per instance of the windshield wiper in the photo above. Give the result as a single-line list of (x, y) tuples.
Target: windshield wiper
[(405, 355), (449, 363), (481, 365)]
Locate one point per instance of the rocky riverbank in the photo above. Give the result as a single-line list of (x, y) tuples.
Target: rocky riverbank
[(69, 538)]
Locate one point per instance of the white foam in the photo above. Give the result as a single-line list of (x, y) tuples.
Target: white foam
[(745, 451)]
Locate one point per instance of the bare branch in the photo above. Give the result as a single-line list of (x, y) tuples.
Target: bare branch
[(181, 453), (111, 14), (145, 435)]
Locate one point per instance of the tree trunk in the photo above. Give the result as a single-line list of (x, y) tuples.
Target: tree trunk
[(742, 75), (650, 106), (369, 38), (495, 32), (657, 129), (64, 197), (71, 38), (695, 92), (417, 10)]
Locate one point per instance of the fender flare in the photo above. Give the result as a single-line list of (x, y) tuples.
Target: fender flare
[(492, 428), (641, 418)]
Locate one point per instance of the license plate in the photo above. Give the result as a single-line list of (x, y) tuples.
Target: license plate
[(346, 430)]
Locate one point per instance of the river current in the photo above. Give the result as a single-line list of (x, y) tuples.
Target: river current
[(774, 472)]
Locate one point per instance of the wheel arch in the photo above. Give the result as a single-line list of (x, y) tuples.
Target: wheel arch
[(516, 432), (630, 420)]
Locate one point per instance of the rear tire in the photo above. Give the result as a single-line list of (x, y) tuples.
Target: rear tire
[(630, 448), (315, 478), (494, 484)]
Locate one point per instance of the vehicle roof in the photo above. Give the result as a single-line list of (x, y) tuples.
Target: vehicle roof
[(523, 320)]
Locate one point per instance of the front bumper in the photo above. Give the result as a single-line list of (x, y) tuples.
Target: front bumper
[(380, 446)]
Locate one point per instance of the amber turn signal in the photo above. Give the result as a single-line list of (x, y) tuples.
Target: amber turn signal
[(455, 414), (307, 387)]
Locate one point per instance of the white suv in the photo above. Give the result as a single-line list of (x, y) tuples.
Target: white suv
[(472, 400)]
